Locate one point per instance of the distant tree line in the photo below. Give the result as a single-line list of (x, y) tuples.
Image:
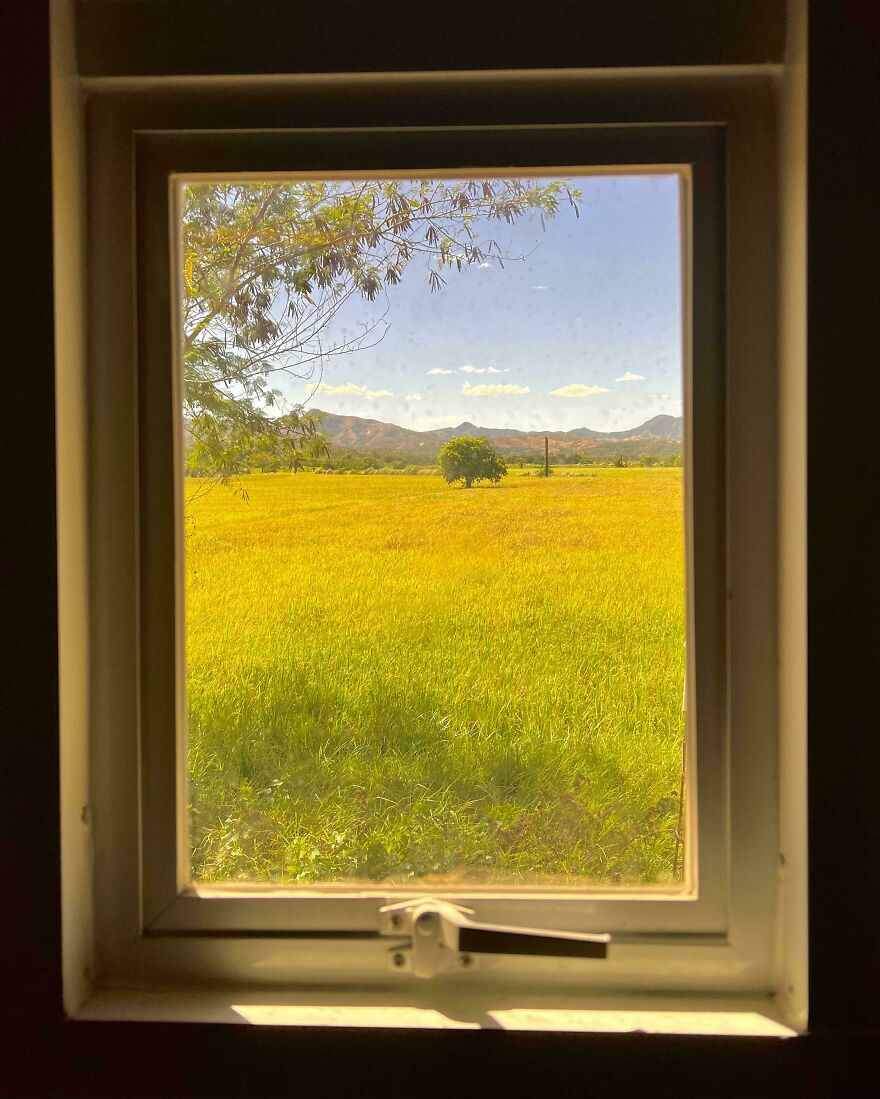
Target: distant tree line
[(605, 457), (417, 461), (326, 461)]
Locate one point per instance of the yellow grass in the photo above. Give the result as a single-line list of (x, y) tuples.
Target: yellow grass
[(391, 679)]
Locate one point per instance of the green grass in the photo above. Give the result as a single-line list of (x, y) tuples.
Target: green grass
[(391, 679)]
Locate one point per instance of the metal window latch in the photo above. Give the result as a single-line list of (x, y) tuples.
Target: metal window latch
[(443, 938)]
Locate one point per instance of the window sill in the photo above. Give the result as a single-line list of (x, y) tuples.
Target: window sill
[(446, 1010)]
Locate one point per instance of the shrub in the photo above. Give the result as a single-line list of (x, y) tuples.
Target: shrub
[(469, 459)]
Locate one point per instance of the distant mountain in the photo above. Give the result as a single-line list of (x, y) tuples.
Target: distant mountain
[(359, 434)]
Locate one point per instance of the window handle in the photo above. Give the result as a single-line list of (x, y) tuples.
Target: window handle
[(443, 938)]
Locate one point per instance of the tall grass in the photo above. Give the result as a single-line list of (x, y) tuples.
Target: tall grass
[(390, 679)]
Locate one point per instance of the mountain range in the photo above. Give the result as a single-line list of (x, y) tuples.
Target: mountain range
[(660, 434)]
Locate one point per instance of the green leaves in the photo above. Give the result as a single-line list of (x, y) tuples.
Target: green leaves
[(469, 459), (230, 435), (267, 266)]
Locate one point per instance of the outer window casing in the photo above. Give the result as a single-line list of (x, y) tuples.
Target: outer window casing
[(139, 935)]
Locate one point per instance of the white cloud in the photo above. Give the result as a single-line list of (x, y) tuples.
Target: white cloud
[(660, 396), (485, 264), (349, 389), (440, 370), (630, 377), (493, 390), (578, 390), (413, 396), (468, 369), (539, 287)]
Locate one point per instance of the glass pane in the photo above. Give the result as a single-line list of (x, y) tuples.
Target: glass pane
[(434, 530)]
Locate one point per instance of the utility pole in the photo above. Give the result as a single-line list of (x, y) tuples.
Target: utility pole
[(546, 455)]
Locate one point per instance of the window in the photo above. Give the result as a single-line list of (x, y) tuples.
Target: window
[(397, 683), (152, 923)]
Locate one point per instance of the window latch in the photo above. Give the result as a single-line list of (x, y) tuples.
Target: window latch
[(443, 938)]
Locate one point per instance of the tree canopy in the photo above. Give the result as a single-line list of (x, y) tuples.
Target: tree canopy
[(469, 459), (267, 266)]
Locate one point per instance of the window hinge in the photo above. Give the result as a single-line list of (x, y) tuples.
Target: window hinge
[(443, 939)]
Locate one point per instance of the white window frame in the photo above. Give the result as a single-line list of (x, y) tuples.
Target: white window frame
[(170, 903), (144, 939)]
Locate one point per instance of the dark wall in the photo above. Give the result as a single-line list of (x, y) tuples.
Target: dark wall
[(42, 1055), (213, 36), (29, 820), (844, 513)]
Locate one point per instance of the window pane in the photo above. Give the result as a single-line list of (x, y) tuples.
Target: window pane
[(434, 529)]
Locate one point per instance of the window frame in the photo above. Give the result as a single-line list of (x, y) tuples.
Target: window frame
[(734, 955), (170, 902)]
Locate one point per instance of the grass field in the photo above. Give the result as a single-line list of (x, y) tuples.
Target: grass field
[(391, 679)]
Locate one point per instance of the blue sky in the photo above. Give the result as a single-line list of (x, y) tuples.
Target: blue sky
[(583, 332)]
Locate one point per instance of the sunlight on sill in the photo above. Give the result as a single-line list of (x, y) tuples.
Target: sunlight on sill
[(755, 1018), (572, 1021)]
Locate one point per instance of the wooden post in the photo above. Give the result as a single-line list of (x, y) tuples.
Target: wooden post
[(546, 455)]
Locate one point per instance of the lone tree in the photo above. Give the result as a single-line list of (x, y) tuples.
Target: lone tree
[(469, 459), (268, 266)]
